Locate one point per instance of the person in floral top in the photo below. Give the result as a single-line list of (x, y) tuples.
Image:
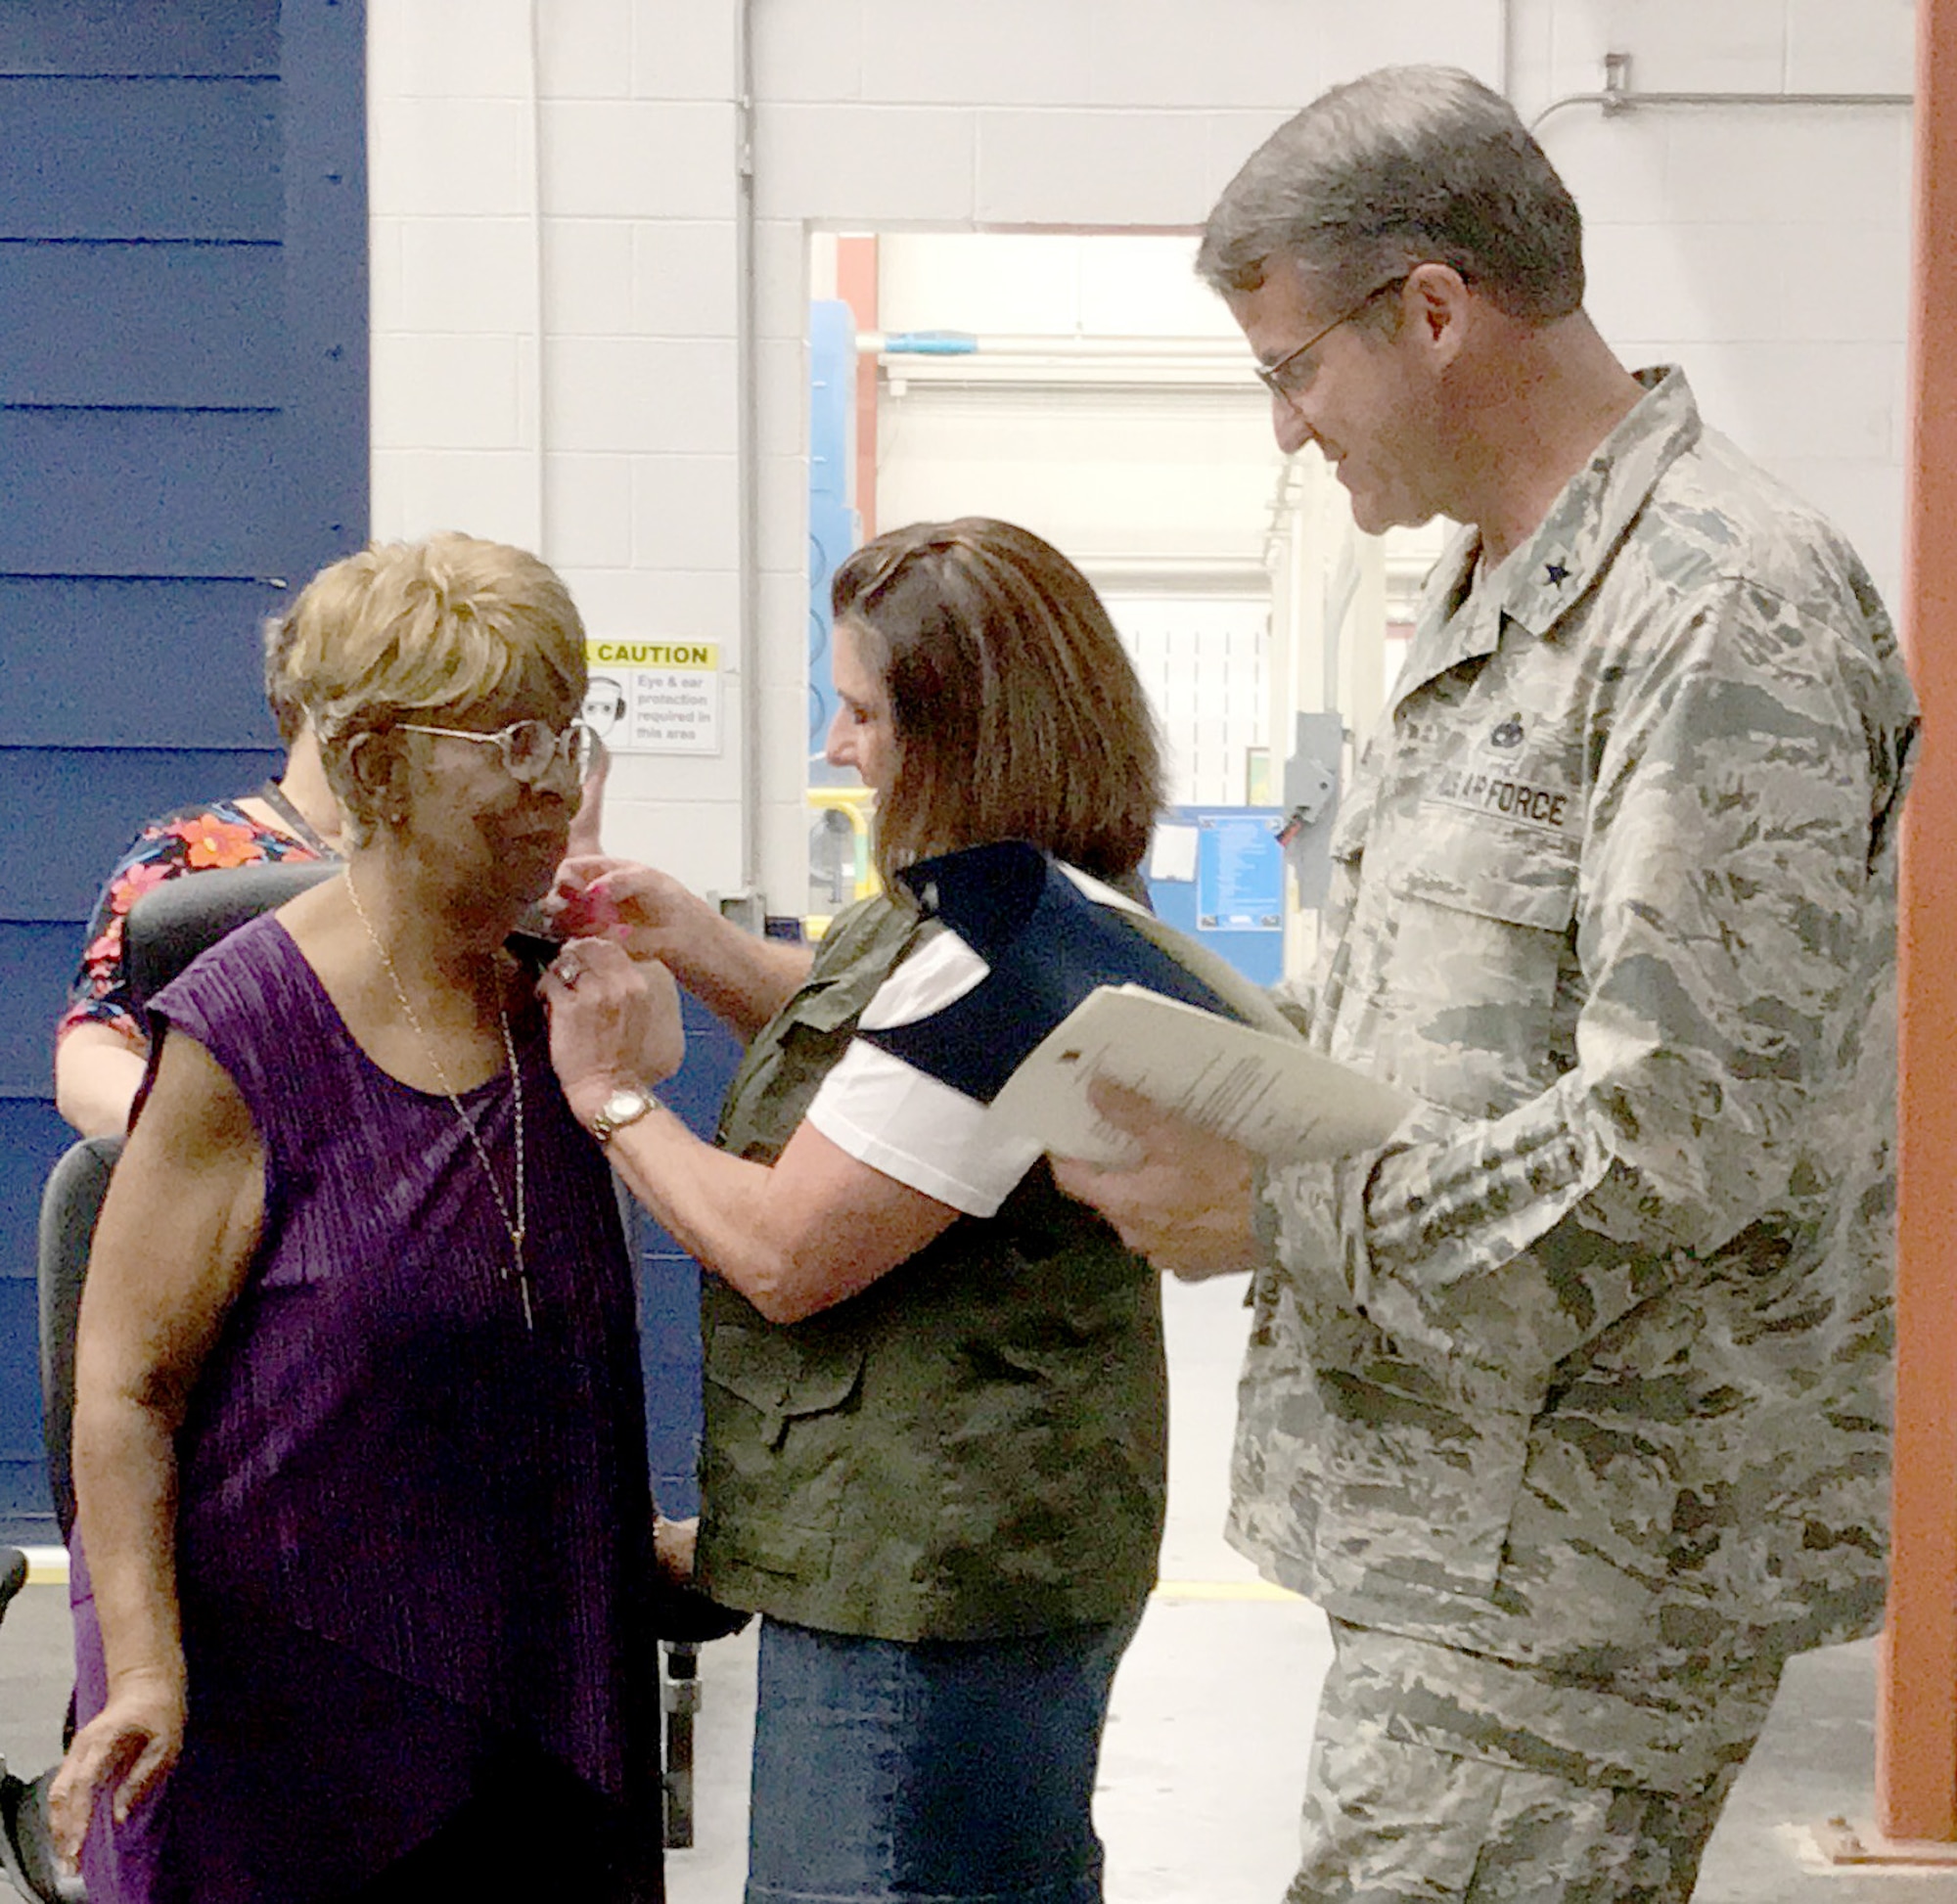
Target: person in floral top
[(101, 1047)]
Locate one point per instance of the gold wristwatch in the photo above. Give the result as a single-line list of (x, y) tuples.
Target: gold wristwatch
[(621, 1108)]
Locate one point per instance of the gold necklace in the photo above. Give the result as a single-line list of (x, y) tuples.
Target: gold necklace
[(514, 1229)]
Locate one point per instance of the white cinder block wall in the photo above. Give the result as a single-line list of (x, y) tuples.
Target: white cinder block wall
[(1764, 248)]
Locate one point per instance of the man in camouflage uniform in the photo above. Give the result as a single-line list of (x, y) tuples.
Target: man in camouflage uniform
[(1570, 1405)]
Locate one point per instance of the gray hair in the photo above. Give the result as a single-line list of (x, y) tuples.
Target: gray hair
[(1404, 167)]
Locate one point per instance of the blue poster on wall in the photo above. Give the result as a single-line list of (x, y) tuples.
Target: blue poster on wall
[(1218, 873), (1239, 873)]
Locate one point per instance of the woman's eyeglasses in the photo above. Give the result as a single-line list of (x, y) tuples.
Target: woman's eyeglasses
[(530, 749)]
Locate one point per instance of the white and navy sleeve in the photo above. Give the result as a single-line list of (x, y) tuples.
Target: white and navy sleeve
[(921, 1130)]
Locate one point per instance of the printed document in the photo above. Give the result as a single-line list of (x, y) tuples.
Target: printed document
[(1273, 1095)]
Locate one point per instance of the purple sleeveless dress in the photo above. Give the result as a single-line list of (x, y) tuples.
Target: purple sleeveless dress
[(413, 1532)]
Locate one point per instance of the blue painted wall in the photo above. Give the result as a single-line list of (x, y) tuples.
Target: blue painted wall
[(834, 528), (670, 1279), (183, 437)]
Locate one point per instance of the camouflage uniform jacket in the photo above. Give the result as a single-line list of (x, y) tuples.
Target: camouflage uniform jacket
[(1582, 1383), (976, 1445)]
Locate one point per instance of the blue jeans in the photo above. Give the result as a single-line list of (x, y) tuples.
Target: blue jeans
[(953, 1771)]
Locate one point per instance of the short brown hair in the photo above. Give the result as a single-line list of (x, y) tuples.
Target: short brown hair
[(1015, 711), (1403, 167)]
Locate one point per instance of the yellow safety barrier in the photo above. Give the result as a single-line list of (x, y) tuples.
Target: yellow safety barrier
[(854, 804)]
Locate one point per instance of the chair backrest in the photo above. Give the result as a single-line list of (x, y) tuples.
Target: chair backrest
[(70, 1205), (167, 929), (173, 922), (12, 1578)]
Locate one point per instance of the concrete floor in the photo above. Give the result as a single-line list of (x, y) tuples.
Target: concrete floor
[(1206, 1748)]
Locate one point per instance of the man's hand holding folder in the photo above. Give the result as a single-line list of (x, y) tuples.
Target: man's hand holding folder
[(1184, 1201)]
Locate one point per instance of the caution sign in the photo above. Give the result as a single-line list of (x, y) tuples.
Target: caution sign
[(655, 697)]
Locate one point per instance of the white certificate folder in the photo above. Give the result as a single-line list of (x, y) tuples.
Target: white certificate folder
[(1273, 1095)]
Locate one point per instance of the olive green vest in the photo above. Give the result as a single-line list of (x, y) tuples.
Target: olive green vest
[(976, 1445)]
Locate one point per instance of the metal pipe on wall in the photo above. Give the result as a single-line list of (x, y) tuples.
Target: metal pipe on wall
[(1227, 351), (1623, 101), (1619, 96), (748, 460), (539, 477)]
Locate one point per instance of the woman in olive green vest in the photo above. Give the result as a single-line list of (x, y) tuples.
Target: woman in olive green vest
[(935, 1398)]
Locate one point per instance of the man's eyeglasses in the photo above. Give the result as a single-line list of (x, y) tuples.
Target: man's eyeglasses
[(1290, 376), (530, 749)]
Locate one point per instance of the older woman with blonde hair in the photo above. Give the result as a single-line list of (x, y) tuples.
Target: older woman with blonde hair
[(365, 1528), (936, 1402)]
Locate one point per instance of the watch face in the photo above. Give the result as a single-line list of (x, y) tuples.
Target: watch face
[(621, 1108)]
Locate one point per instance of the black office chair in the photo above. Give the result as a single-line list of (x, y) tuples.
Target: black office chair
[(26, 1852), (26, 1855), (173, 922), (69, 1204), (13, 1575), (12, 1578)]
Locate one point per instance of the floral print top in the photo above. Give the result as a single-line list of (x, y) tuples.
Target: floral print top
[(192, 840)]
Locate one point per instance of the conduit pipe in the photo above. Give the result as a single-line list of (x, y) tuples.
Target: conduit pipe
[(1617, 96), (539, 480), (748, 460), (968, 343), (954, 360)]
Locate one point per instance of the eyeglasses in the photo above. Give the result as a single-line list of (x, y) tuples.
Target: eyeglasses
[(1287, 378), (530, 749)]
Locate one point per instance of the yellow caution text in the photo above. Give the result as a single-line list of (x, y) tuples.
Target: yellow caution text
[(704, 654)]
